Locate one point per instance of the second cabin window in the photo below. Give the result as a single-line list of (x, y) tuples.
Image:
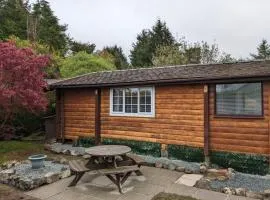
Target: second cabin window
[(132, 101), (240, 99)]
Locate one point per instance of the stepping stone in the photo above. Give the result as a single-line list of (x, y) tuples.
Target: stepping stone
[(189, 179)]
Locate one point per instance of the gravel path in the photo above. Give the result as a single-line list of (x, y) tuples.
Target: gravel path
[(251, 182)]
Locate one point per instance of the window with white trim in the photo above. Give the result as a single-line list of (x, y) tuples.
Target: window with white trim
[(132, 101)]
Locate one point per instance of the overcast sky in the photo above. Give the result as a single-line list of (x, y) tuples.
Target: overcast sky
[(236, 25)]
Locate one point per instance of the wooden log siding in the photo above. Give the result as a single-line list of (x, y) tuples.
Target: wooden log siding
[(178, 119), (79, 113), (240, 134)]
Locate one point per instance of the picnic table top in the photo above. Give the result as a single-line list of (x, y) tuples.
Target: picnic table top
[(108, 150)]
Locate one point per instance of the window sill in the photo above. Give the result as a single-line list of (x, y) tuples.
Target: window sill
[(239, 116), (132, 115)]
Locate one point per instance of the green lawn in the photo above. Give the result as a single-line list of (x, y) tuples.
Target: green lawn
[(21, 150), (168, 196), (18, 150)]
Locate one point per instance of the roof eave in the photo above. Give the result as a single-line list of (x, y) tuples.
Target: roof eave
[(165, 82)]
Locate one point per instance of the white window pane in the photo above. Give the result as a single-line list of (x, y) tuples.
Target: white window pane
[(148, 92), (128, 108), (148, 100), (117, 108), (148, 108), (117, 92), (142, 99), (127, 92), (135, 100), (134, 92), (142, 108), (131, 100), (134, 109), (142, 92), (128, 100), (117, 100)]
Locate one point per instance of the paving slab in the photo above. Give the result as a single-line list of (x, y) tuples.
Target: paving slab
[(181, 189), (71, 195), (95, 180), (189, 179), (47, 191), (161, 180), (134, 196), (148, 189), (105, 193)]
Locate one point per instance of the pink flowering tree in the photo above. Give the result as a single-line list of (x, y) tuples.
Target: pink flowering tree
[(22, 83)]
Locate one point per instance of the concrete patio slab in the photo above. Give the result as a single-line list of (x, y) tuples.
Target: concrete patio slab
[(144, 187), (148, 189), (181, 189), (47, 191), (189, 179), (71, 195)]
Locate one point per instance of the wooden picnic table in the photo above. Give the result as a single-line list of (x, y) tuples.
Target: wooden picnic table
[(109, 160), (106, 154)]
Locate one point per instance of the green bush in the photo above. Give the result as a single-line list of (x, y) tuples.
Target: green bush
[(247, 163), (138, 147), (82, 63), (186, 153), (85, 142)]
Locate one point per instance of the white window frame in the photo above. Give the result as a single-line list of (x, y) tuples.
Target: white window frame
[(139, 114)]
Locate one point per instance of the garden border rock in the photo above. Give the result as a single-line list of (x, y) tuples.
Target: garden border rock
[(22, 176)]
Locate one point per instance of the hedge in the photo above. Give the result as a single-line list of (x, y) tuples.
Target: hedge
[(85, 142), (191, 154), (247, 163), (138, 147)]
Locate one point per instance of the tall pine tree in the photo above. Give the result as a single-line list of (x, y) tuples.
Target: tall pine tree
[(120, 60), (263, 51), (147, 43), (48, 29), (13, 18)]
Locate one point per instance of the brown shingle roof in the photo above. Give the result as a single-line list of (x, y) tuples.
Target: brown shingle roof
[(180, 74)]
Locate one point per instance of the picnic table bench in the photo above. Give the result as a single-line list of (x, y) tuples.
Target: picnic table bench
[(121, 174), (117, 170)]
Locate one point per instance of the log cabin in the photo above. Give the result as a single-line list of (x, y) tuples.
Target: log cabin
[(212, 107)]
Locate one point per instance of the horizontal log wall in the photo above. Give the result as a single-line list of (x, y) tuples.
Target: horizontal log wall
[(178, 120), (240, 134), (79, 113)]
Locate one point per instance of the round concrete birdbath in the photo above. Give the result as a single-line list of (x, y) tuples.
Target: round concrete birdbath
[(37, 160)]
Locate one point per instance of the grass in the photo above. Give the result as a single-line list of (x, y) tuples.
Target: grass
[(18, 150), (21, 150), (169, 196)]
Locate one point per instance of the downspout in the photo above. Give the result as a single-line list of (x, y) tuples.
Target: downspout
[(97, 116), (206, 124)]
